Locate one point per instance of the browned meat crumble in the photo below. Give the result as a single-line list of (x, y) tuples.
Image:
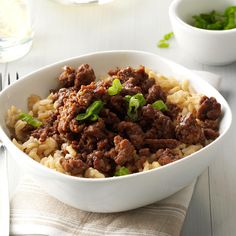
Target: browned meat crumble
[(114, 139)]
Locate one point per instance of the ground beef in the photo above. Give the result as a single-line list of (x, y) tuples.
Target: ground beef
[(132, 131), (41, 133), (85, 144), (70, 77), (110, 118), (73, 166), (138, 75), (147, 84), (144, 152), (100, 93), (211, 134), (117, 105), (62, 95), (124, 150), (189, 131), (67, 77), (104, 144), (155, 93), (155, 144), (114, 139), (210, 124), (47, 130), (84, 76), (156, 123), (85, 96), (76, 126), (166, 156), (74, 103), (113, 72), (130, 89), (173, 111), (90, 137), (97, 160), (133, 80), (95, 130), (209, 109)]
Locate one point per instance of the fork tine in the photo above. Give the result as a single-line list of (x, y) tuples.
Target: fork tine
[(8, 79), (1, 82), (17, 76)]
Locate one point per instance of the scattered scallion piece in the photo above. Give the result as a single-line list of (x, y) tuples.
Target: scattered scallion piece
[(163, 42), (122, 171), (135, 102), (159, 105), (168, 36), (115, 88), (30, 120), (91, 112)]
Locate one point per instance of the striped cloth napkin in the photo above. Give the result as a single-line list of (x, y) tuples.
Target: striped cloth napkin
[(35, 212)]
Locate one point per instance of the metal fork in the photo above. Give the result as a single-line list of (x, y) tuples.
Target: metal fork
[(4, 194)]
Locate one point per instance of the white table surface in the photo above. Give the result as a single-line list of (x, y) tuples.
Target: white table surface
[(65, 31)]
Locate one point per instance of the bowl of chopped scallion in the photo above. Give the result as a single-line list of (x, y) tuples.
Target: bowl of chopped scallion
[(205, 30)]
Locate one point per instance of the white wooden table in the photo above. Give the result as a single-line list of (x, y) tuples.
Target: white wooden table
[(65, 31)]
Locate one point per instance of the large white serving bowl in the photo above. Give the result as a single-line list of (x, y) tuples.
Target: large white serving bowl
[(117, 193), (213, 47)]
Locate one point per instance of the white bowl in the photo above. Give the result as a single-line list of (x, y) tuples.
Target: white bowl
[(213, 47), (117, 193)]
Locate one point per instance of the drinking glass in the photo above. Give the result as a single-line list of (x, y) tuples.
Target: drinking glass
[(16, 32)]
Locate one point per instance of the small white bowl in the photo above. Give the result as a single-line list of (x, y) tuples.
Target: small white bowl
[(213, 47), (116, 193)]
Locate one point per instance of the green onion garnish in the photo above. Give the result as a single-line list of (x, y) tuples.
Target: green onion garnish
[(122, 171), (168, 36), (163, 42), (135, 102), (91, 112), (30, 120), (230, 13), (127, 98), (115, 88), (159, 105), (215, 20)]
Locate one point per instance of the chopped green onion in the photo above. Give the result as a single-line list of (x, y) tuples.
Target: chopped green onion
[(91, 112), (230, 12), (94, 117), (122, 171), (30, 120), (159, 105), (127, 98), (163, 45), (140, 98), (115, 88), (168, 36), (163, 42), (135, 102), (215, 20)]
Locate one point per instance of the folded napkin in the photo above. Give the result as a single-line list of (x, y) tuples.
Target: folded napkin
[(35, 212)]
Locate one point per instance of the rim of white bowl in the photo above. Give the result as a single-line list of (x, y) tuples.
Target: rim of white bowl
[(173, 13), (46, 170)]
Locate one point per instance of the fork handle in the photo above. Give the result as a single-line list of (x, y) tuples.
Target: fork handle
[(4, 194)]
